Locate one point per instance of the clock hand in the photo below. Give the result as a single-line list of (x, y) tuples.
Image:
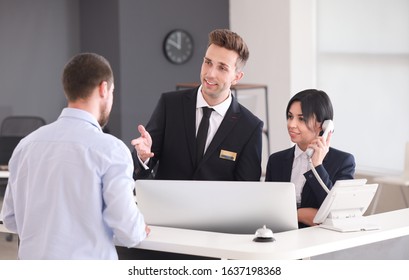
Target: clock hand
[(179, 37), (178, 43), (175, 44)]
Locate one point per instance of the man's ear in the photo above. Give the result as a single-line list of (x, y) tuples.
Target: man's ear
[(239, 75), (103, 89)]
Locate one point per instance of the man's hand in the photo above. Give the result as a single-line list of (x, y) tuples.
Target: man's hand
[(147, 230), (143, 144)]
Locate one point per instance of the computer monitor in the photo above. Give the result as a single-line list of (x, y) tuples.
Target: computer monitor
[(344, 206), (218, 206)]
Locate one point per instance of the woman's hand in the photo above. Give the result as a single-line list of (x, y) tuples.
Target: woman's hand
[(321, 148), (306, 215)]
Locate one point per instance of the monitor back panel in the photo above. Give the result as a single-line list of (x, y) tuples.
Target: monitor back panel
[(229, 207)]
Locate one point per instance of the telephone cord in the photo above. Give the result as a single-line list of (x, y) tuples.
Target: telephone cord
[(317, 176)]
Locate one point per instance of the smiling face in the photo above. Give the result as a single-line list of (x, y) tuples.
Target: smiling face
[(300, 132), (218, 73)]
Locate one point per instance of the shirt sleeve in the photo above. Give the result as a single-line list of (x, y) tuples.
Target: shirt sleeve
[(120, 211), (345, 169), (7, 212)]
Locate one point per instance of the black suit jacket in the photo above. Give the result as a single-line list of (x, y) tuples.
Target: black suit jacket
[(337, 165), (173, 130)]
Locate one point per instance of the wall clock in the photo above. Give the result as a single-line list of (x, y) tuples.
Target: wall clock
[(178, 46)]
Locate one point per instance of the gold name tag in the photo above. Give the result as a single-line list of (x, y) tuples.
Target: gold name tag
[(228, 155)]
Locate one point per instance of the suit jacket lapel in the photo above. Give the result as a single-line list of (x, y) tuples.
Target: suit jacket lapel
[(287, 164), (189, 111)]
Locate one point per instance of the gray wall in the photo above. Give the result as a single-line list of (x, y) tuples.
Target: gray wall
[(38, 37), (145, 72), (99, 33)]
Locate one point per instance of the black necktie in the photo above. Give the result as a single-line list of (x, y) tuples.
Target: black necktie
[(202, 133)]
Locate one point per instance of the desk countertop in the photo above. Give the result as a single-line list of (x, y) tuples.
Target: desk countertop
[(4, 174), (4, 229), (296, 244)]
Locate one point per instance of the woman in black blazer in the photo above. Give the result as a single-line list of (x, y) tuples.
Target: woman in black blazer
[(306, 111)]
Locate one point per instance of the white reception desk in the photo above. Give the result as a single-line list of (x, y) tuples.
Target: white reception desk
[(296, 244), (4, 174)]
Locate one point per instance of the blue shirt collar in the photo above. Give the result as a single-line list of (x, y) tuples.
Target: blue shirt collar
[(80, 114)]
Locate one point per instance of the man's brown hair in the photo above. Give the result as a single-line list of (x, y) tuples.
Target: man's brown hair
[(230, 40), (83, 73)]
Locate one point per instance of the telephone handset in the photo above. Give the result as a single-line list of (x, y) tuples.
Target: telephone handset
[(327, 127)]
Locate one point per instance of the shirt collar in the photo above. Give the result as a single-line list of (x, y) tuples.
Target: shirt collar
[(80, 114), (298, 152), (221, 108)]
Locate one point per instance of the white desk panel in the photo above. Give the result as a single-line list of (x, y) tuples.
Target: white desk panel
[(3, 229), (296, 244), (4, 174)]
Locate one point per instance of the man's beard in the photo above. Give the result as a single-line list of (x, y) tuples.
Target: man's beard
[(104, 116)]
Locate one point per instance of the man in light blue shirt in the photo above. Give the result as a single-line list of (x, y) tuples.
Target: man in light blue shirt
[(70, 190)]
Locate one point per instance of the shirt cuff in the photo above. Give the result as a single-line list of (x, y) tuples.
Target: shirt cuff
[(144, 164)]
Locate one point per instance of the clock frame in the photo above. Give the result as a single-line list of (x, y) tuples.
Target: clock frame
[(178, 46)]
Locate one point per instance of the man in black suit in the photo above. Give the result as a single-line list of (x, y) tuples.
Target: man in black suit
[(233, 144), (232, 150)]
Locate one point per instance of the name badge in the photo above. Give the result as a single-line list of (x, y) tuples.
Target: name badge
[(228, 155)]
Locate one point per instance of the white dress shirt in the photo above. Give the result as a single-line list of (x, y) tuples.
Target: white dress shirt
[(300, 166), (216, 117), (215, 120), (70, 192)]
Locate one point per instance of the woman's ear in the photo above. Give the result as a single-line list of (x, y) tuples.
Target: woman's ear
[(318, 128)]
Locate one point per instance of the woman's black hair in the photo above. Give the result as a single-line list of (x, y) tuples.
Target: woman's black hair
[(314, 103)]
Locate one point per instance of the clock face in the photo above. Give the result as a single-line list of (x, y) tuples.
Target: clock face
[(178, 46)]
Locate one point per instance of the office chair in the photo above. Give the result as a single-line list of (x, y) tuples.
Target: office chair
[(20, 125), (17, 127)]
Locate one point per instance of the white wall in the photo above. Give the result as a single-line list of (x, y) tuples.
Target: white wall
[(289, 52), (364, 63), (265, 27), (281, 37)]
